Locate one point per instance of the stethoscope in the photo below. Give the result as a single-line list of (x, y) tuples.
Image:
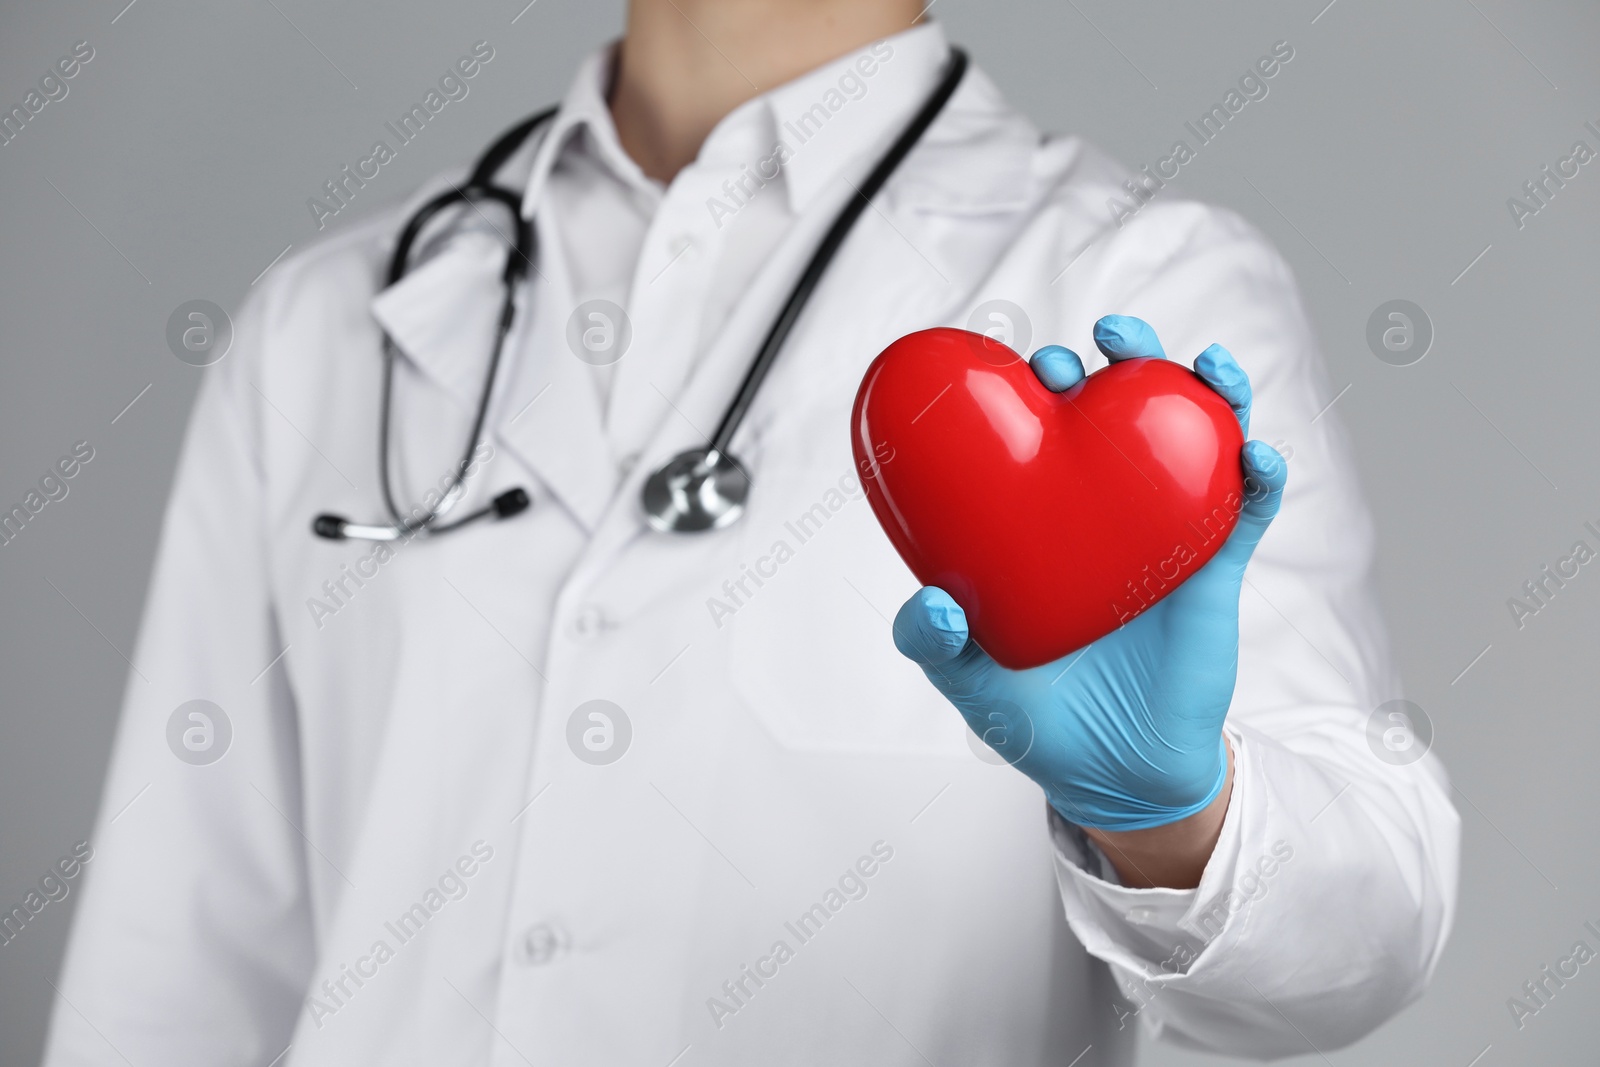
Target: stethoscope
[(703, 488)]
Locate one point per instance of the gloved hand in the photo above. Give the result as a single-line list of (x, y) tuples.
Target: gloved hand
[(1125, 733)]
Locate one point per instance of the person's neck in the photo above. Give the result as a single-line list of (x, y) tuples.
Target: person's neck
[(684, 64)]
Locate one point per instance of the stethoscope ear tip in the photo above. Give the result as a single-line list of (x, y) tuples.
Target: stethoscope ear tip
[(509, 503), (330, 527), (701, 489)]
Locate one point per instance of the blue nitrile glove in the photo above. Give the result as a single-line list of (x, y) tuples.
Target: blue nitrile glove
[(1126, 733)]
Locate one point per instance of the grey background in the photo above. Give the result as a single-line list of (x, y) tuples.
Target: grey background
[(1380, 164)]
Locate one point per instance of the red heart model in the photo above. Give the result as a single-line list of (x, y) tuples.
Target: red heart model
[(1051, 518)]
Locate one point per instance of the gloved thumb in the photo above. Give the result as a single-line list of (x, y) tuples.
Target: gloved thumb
[(930, 629)]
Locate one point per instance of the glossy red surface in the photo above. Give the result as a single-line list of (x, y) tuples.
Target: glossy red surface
[(1052, 518)]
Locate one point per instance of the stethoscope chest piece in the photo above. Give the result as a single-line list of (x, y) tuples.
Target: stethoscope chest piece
[(701, 489)]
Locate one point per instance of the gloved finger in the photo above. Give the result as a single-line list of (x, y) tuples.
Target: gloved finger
[(1265, 474), (930, 630), (1057, 368), (1218, 369), (1125, 337)]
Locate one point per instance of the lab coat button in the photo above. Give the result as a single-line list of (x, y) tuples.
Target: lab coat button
[(1140, 915), (539, 944), (589, 622)]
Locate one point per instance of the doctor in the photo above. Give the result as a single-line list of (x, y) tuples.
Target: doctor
[(560, 788)]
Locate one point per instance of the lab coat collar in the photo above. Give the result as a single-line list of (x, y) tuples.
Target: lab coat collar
[(828, 118), (975, 159), (585, 113), (827, 122), (441, 317)]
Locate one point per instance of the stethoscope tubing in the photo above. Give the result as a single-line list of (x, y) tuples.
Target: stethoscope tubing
[(713, 469), (823, 257)]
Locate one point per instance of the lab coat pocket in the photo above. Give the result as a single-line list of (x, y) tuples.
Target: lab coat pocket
[(809, 606)]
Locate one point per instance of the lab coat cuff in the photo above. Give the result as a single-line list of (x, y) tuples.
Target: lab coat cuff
[(1152, 933)]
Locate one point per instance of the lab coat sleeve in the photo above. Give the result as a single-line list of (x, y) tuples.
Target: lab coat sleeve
[(1327, 901), (192, 943)]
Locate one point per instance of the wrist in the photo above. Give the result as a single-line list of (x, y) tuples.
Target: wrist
[(1186, 787), (1172, 855)]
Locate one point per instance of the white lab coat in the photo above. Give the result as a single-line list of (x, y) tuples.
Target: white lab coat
[(400, 771)]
